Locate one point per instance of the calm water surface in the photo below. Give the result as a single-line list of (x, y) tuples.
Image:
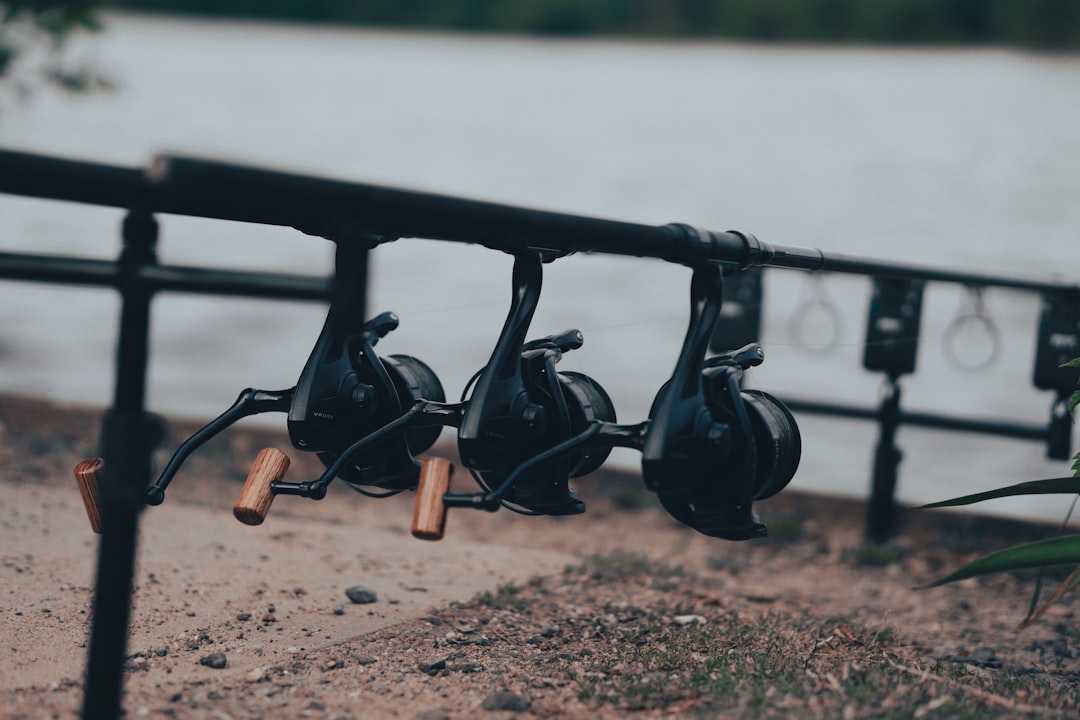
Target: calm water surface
[(963, 158)]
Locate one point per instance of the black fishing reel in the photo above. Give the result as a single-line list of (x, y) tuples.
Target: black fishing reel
[(711, 448), (350, 406), (347, 392), (521, 408)]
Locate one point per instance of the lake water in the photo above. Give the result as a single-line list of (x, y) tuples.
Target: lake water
[(962, 158)]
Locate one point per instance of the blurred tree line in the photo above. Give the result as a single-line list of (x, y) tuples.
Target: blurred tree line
[(33, 34), (1048, 24)]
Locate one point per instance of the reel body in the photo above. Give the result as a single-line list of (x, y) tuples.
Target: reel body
[(711, 449), (522, 407)]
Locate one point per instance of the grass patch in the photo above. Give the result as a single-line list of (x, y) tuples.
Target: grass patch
[(619, 566), (505, 596), (778, 666)]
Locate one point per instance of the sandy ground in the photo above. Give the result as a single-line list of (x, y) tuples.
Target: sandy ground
[(447, 632)]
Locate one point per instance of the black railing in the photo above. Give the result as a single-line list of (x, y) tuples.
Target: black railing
[(891, 346), (367, 215)]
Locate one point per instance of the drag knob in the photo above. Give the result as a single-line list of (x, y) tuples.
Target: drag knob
[(255, 497), (89, 474), (429, 515)]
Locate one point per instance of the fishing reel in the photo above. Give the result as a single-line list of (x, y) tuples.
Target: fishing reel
[(711, 448), (521, 408), (349, 406)]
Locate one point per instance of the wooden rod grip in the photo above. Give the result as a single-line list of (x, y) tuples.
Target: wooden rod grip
[(429, 515), (89, 475), (255, 497)]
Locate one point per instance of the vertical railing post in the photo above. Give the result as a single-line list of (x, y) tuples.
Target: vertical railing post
[(881, 513), (129, 437)]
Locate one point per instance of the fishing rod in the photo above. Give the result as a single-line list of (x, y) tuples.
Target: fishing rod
[(320, 206)]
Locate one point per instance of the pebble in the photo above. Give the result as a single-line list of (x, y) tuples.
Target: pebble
[(215, 660), (431, 667), (339, 609), (360, 594), (255, 675), (688, 620), (505, 700)]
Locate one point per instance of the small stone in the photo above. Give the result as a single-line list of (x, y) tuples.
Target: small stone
[(688, 620), (505, 700), (339, 609), (244, 616), (255, 675), (986, 656), (365, 659), (215, 660), (360, 595), (432, 667)]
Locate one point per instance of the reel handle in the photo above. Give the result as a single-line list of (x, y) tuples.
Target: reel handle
[(89, 475), (255, 497), (429, 514)]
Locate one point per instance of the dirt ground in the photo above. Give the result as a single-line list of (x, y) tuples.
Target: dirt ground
[(617, 613)]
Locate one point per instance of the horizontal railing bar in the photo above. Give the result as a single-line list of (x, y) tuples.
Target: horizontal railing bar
[(906, 417), (234, 282), (173, 278), (51, 178)]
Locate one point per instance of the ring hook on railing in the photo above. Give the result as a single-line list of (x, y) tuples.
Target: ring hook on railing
[(972, 322), (815, 307)]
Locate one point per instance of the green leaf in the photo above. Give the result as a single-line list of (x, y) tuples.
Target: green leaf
[(1063, 550), (1075, 362), (1033, 487)]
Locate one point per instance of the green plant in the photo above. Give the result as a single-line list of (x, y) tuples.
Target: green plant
[(1042, 554)]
